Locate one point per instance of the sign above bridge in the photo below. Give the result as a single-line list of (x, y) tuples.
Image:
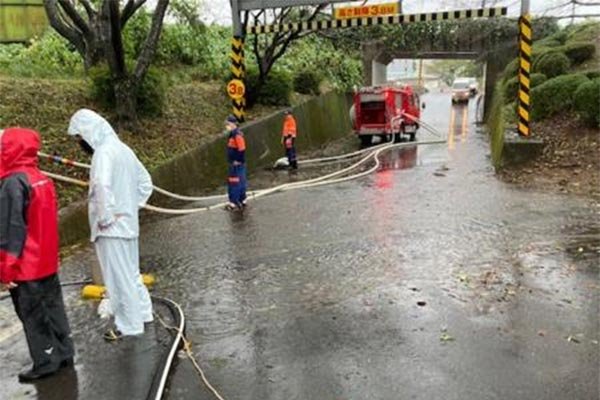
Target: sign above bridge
[(246, 5), (375, 10), (380, 20)]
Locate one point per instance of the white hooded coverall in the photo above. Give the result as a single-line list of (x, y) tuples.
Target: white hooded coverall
[(119, 186)]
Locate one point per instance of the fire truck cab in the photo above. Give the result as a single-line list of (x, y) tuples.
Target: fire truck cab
[(385, 112)]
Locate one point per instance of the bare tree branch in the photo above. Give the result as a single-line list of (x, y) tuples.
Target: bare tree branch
[(63, 29), (74, 16), (89, 9), (149, 48), (586, 3), (578, 16), (130, 8)]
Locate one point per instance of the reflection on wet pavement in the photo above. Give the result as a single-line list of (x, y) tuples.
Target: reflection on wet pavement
[(315, 294), (428, 280)]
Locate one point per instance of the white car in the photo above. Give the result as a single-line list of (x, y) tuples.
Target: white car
[(461, 91)]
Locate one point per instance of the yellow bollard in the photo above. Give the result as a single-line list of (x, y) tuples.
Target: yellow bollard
[(148, 279), (97, 292), (93, 292)]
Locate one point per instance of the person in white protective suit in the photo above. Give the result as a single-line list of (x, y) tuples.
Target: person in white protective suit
[(119, 186)]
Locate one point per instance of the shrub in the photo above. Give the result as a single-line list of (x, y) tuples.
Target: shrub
[(150, 94), (307, 82), (511, 87), (549, 42), (592, 74), (579, 53), (276, 90), (552, 64), (557, 39), (555, 95), (584, 32), (509, 113), (46, 57), (587, 101), (511, 70), (538, 79)]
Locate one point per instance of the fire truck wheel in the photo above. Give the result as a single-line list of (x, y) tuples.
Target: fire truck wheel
[(365, 140)]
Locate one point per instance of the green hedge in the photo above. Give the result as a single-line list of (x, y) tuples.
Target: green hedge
[(150, 94), (511, 87), (555, 95), (592, 74), (552, 64), (580, 52), (587, 102), (276, 91), (308, 82)]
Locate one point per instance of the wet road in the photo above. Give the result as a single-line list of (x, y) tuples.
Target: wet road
[(428, 280), (315, 294)]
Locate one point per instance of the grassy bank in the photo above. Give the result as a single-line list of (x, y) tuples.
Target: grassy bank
[(194, 112)]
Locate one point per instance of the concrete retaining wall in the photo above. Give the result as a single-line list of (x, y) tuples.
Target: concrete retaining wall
[(319, 120)]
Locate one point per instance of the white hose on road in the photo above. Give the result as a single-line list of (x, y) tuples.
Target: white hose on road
[(323, 180)]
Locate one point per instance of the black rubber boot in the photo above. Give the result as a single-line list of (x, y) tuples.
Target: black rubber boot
[(35, 375)]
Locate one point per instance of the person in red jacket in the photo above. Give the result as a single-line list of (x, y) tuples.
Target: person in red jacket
[(29, 253)]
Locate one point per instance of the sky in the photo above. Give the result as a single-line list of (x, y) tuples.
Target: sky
[(219, 11)]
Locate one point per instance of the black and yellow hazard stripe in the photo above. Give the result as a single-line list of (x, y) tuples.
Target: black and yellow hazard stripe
[(383, 20), (525, 42), (238, 71)]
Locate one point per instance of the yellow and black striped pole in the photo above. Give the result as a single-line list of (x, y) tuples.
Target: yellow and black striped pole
[(236, 88), (524, 100)]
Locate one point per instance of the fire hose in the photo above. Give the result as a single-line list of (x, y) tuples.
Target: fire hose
[(72, 163), (335, 177)]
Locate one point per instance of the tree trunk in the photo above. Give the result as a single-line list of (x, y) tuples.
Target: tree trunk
[(126, 104), (95, 54)]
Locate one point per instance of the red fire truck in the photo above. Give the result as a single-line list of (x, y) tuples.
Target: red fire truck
[(381, 111)]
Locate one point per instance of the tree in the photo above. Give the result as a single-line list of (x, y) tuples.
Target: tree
[(96, 33), (269, 48), (188, 12)]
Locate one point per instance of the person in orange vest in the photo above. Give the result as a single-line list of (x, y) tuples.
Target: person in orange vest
[(288, 138), (236, 160)]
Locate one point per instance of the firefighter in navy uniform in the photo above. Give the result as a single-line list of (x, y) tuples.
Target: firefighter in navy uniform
[(236, 161), (29, 253)]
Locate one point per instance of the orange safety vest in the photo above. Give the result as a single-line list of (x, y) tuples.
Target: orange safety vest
[(289, 126)]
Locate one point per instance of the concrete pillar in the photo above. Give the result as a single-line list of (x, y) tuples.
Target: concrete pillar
[(379, 73), (367, 70), (494, 66)]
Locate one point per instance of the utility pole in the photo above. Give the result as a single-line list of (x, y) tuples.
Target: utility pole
[(525, 43), (420, 80)]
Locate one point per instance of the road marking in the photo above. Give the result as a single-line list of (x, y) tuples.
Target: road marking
[(464, 125)]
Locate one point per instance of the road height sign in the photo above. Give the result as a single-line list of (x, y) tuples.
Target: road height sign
[(236, 89), (375, 10)]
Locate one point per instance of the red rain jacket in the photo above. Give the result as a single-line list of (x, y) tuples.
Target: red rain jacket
[(28, 211)]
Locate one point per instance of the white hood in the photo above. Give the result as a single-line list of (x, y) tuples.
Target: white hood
[(93, 128)]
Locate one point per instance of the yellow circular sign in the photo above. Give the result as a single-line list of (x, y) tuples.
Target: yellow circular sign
[(236, 89)]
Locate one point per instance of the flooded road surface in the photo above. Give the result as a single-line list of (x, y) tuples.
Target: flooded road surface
[(432, 282), (428, 280)]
